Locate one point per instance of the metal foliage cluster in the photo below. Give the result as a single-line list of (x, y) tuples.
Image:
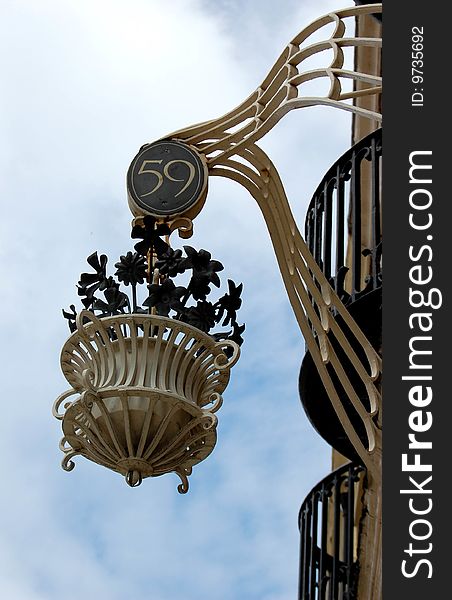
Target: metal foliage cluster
[(188, 304)]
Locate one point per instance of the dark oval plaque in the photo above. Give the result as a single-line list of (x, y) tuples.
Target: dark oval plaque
[(166, 178)]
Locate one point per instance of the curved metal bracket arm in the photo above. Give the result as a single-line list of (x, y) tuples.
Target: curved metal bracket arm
[(228, 143), (282, 89), (314, 302)]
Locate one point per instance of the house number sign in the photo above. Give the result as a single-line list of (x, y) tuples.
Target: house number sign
[(166, 179)]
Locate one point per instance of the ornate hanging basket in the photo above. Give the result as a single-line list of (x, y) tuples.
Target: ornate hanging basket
[(147, 391)]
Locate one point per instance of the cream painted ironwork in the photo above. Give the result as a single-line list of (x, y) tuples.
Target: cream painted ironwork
[(148, 388), (280, 91), (229, 147)]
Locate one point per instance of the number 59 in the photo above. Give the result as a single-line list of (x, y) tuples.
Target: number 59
[(160, 177)]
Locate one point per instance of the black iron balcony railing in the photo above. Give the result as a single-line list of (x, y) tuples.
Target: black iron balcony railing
[(335, 228), (343, 233), (329, 536)]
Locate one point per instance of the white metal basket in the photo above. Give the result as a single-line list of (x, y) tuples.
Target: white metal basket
[(147, 391)]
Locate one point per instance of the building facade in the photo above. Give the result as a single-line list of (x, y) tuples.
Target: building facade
[(340, 519)]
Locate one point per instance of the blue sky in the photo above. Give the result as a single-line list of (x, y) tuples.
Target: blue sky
[(87, 83)]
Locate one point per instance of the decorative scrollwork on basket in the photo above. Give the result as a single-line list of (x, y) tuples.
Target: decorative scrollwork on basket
[(148, 389)]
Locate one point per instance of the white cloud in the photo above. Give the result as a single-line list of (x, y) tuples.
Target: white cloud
[(88, 84)]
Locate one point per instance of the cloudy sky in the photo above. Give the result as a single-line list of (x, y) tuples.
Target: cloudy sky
[(85, 84)]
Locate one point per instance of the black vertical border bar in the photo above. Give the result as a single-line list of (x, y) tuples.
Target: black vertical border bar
[(406, 129)]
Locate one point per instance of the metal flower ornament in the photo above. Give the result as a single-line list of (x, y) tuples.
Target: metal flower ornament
[(188, 304)]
